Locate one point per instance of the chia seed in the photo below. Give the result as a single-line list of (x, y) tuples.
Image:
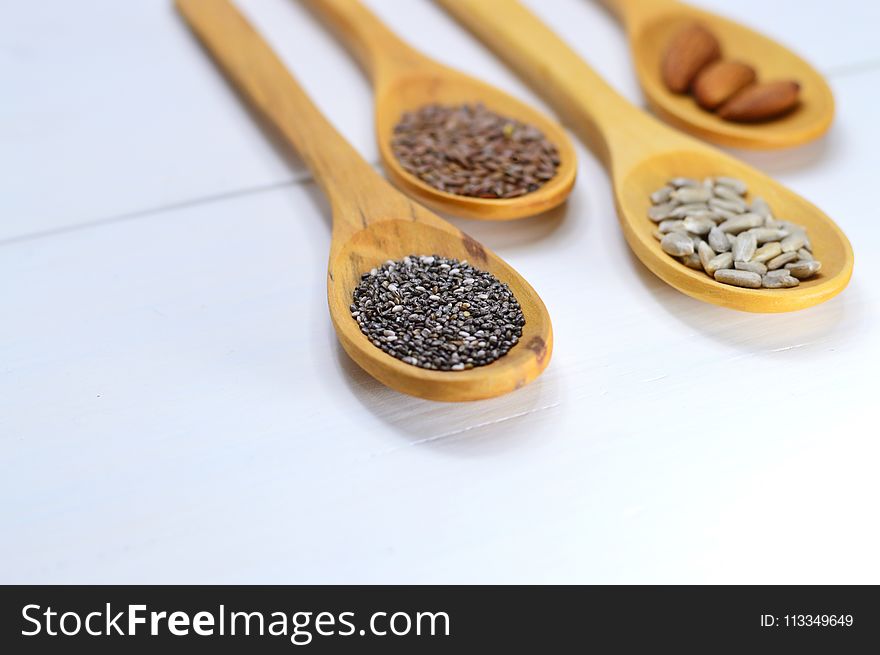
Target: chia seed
[(437, 313)]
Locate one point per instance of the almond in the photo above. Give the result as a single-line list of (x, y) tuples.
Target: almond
[(719, 81), (688, 53), (759, 102)]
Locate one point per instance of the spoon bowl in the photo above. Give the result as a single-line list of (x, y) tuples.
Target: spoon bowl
[(397, 238), (372, 222), (830, 245), (650, 27), (445, 86), (642, 154), (405, 80)]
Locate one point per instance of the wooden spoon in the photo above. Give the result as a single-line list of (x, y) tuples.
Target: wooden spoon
[(372, 222), (641, 154), (651, 24), (405, 80)]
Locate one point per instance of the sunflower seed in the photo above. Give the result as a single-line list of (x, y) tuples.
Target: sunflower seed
[(671, 225), (744, 247), (738, 278), (723, 260), (738, 206), (661, 195), (679, 182), (719, 240), (699, 226), (754, 267), (677, 244), (726, 193), (741, 223), (760, 207), (706, 254), (711, 225), (691, 208), (705, 213), (794, 242), (765, 234), (779, 281), (692, 261), (781, 260), (795, 229), (687, 195), (724, 214), (658, 213), (731, 182), (804, 269), (767, 252)]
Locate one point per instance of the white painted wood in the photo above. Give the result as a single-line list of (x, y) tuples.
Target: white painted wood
[(174, 406)]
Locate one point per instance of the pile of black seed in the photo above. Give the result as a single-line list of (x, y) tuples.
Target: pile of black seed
[(437, 313), (471, 151)]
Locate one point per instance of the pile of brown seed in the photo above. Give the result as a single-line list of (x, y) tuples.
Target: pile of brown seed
[(471, 151), (709, 226)]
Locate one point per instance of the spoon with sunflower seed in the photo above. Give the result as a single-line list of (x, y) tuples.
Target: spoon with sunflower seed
[(418, 304), (643, 155)]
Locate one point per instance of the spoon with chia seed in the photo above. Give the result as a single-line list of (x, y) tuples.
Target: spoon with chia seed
[(641, 154), (408, 85), (376, 232)]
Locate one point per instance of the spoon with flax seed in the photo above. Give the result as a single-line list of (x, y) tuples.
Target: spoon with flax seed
[(406, 81)]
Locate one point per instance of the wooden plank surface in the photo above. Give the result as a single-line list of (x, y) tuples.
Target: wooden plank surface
[(174, 406)]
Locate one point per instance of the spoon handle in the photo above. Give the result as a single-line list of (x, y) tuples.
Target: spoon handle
[(633, 13), (251, 64), (380, 51), (612, 127)]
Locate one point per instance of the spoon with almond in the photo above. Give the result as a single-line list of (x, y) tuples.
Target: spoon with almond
[(722, 81), (642, 155)]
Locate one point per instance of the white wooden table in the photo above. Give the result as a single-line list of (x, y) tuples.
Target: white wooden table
[(174, 406)]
